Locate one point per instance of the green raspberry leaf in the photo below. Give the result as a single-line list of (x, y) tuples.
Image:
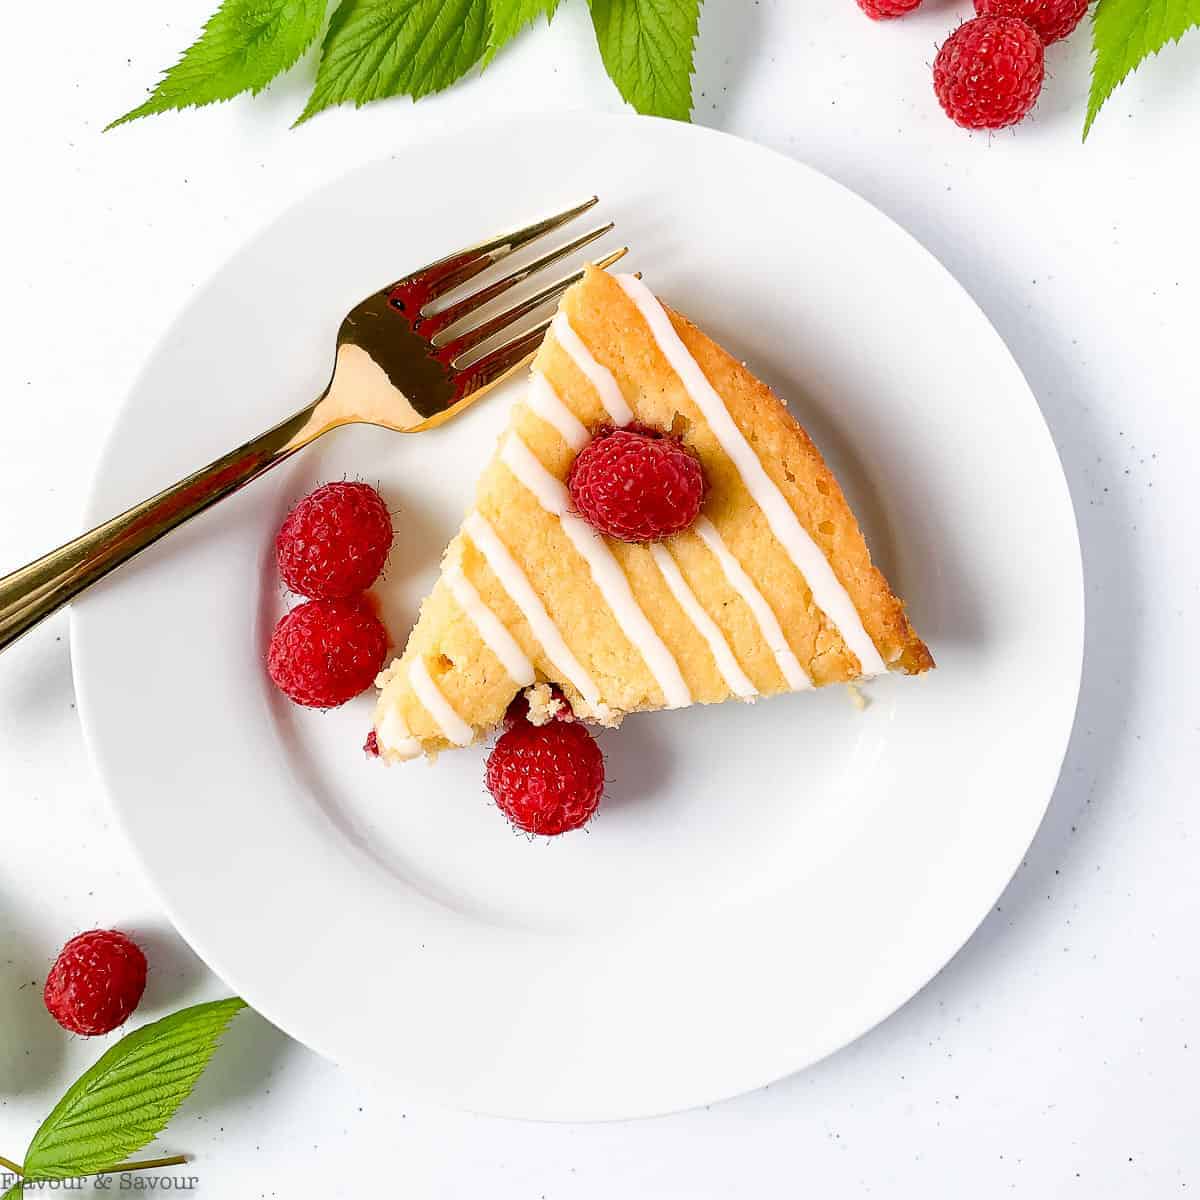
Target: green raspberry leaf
[(1124, 34), (509, 17), (647, 47), (245, 45), (126, 1099), (379, 48), (15, 1192)]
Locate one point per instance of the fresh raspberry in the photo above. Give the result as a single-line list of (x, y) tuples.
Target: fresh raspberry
[(546, 779), (1052, 20), (335, 541), (636, 484), (988, 73), (883, 10), (324, 652), (96, 982), (371, 745)]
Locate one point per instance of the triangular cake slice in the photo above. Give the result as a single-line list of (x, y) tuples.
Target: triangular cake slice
[(771, 590)]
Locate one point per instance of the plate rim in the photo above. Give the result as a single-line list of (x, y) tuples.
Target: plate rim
[(93, 512)]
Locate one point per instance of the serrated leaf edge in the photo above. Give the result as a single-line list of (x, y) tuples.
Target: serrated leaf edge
[(219, 1013), (1098, 96), (629, 96), (549, 9), (151, 106), (315, 105)]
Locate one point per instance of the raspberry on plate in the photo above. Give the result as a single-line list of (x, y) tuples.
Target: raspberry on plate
[(335, 541), (636, 484), (1052, 20), (325, 652), (546, 779), (96, 982), (884, 10), (988, 73)]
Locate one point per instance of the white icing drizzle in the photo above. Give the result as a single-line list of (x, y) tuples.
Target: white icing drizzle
[(600, 376), (394, 737), (544, 400), (550, 493), (490, 628), (768, 624), (606, 571), (515, 582), (828, 593), (735, 678), (451, 725)]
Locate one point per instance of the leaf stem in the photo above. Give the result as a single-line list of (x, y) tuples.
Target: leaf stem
[(146, 1164)]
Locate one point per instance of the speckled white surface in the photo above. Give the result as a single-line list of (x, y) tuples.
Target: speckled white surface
[(1056, 1056)]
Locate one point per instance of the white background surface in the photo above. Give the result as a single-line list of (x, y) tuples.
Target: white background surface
[(1055, 1055)]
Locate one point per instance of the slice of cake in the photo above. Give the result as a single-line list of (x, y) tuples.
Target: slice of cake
[(770, 589)]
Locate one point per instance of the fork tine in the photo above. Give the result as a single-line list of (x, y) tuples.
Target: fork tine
[(432, 326), (493, 366), (459, 346), (456, 269)]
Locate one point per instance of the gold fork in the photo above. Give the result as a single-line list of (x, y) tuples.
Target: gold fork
[(397, 364)]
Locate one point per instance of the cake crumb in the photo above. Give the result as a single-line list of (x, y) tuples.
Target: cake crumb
[(609, 718), (857, 697), (544, 705)]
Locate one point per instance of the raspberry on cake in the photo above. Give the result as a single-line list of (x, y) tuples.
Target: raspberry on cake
[(769, 589), (636, 484)]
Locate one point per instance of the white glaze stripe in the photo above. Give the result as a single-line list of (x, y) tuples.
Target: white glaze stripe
[(515, 582), (394, 737), (601, 377), (828, 593), (606, 571), (735, 678), (543, 400), (768, 625), (491, 629), (451, 725)]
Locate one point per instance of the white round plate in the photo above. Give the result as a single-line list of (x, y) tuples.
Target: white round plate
[(764, 882)]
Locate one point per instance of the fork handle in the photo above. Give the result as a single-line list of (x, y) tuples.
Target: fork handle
[(33, 592)]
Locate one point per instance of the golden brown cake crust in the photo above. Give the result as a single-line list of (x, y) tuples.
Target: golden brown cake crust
[(601, 308), (468, 672), (798, 470)]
